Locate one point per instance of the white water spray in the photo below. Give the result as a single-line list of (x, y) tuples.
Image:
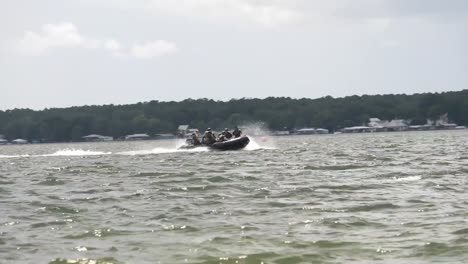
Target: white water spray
[(259, 135)]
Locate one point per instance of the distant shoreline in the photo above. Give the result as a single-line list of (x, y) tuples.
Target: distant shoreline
[(272, 113)]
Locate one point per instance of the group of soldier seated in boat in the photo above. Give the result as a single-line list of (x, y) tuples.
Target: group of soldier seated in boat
[(209, 137)]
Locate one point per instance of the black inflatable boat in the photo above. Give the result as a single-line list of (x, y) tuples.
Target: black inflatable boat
[(231, 144)]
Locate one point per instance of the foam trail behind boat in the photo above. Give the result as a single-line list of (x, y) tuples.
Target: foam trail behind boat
[(75, 152), (60, 153), (161, 151), (14, 156)]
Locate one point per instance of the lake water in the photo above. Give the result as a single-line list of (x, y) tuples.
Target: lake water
[(350, 198)]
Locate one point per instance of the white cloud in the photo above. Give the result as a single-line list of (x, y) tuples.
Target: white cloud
[(66, 35), (54, 36), (152, 49), (266, 13), (272, 15), (112, 45)]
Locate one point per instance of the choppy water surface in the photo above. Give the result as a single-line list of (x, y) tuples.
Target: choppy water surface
[(361, 198)]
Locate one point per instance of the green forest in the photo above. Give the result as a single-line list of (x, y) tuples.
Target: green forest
[(278, 113)]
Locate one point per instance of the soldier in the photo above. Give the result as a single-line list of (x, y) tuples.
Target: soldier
[(221, 137), (227, 134), (195, 140), (209, 138), (236, 132)]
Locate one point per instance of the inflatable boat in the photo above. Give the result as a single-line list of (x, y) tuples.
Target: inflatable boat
[(231, 144)]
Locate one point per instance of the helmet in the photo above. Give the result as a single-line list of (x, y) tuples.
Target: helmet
[(225, 129), (209, 129)]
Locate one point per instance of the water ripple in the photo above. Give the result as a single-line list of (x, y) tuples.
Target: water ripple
[(361, 198)]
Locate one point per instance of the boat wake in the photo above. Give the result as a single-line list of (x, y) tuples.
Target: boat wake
[(160, 151), (75, 152), (60, 153), (14, 156), (255, 144)]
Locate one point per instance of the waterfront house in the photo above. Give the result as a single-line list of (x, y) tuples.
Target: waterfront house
[(97, 138), (420, 127), (356, 129), (306, 131), (321, 131), (443, 123), (164, 136), (396, 125), (377, 125), (375, 122), (19, 141), (182, 131), (137, 137)]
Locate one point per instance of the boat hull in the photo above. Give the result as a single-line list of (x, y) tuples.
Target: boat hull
[(232, 144)]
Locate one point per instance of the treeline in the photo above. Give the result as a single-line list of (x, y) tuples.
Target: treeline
[(71, 124)]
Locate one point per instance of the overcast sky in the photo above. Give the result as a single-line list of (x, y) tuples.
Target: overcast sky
[(56, 53)]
